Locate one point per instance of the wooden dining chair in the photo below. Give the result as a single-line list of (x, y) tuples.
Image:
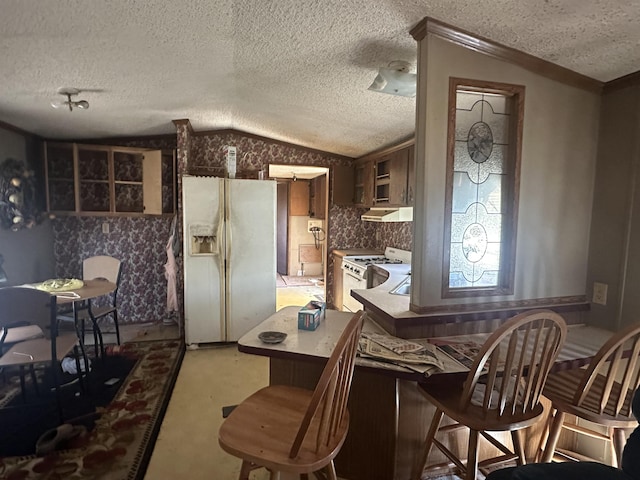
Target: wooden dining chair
[(601, 393), (100, 266), (23, 305), (501, 392), (290, 429)]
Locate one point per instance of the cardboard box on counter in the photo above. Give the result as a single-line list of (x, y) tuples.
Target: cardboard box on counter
[(310, 315)]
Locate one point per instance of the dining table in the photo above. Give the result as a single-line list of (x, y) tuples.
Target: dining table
[(87, 291), (388, 414), (90, 290)]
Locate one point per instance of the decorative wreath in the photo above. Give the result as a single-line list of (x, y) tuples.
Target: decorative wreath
[(18, 206)]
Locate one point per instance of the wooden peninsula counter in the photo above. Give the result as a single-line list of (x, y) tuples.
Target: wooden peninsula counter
[(388, 415), (394, 312)]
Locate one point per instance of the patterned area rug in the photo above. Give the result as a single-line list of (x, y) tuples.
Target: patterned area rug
[(119, 446)]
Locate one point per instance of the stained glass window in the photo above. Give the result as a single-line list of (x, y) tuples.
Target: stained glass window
[(481, 190)]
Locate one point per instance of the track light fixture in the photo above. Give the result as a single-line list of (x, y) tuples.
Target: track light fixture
[(70, 92)]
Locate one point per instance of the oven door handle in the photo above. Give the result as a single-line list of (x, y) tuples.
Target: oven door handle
[(353, 276)]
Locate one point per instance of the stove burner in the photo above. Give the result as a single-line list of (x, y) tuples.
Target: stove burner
[(375, 261)]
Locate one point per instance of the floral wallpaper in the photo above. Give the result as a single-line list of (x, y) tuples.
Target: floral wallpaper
[(394, 234), (140, 242)]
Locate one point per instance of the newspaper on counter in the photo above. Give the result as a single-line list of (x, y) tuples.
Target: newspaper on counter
[(414, 356), (397, 345)]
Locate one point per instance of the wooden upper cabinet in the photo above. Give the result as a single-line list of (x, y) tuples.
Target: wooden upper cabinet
[(386, 178), (364, 183), (61, 170), (391, 179), (342, 185), (318, 197), (299, 198), (105, 180), (152, 182)]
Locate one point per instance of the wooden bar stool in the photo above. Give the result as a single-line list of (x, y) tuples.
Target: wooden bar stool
[(501, 391), (601, 394), (290, 429)]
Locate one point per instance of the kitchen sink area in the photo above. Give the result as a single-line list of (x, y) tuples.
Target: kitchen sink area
[(403, 288)]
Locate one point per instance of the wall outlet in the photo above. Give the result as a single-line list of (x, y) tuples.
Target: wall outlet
[(599, 293), (313, 224), (105, 227)]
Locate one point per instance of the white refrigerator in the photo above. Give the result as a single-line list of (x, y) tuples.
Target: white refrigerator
[(229, 256)]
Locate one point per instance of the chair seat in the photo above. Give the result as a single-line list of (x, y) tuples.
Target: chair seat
[(263, 427), (447, 397), (561, 388), (19, 334), (97, 312), (39, 350), (83, 314)]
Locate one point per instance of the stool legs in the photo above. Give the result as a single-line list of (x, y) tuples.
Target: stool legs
[(518, 447), (554, 435), (428, 442)]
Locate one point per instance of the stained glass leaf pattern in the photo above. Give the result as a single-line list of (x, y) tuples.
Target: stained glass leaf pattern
[(481, 133)]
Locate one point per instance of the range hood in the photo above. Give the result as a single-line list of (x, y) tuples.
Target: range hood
[(401, 214)]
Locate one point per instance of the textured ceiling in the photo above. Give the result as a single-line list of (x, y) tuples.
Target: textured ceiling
[(292, 70)]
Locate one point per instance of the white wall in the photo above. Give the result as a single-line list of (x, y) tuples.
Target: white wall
[(557, 175)]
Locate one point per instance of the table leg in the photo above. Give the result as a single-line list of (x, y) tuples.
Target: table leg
[(80, 334), (97, 334)]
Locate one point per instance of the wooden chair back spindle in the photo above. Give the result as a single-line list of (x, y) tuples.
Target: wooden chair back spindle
[(513, 363), (329, 400), (601, 388), (601, 393)]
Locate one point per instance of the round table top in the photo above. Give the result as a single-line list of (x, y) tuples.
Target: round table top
[(91, 289)]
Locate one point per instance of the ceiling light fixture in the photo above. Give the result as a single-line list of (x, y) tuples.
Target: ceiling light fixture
[(69, 92), (396, 79)]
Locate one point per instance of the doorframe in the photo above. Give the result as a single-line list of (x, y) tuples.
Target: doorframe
[(279, 252), (286, 173)]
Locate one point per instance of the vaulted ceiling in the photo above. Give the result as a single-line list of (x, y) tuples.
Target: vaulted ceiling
[(292, 70)]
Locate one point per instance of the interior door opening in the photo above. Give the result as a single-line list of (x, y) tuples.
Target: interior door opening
[(302, 214)]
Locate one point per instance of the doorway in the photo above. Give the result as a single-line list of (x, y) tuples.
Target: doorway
[(282, 227), (302, 211)]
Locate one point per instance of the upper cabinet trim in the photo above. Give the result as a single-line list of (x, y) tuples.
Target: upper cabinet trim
[(386, 150), (502, 52)]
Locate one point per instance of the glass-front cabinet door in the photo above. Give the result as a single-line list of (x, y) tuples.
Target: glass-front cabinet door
[(105, 180), (127, 175), (60, 170), (93, 178)]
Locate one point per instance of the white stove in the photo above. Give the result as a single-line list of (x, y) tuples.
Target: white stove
[(357, 264), (355, 269)]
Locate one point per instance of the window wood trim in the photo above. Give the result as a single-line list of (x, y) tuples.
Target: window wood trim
[(510, 200)]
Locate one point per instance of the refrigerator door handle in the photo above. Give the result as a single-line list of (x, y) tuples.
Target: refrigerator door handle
[(229, 243), (219, 242), (228, 225)]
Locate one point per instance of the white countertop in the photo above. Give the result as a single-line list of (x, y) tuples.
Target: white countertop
[(581, 344), (315, 344), (393, 305)]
